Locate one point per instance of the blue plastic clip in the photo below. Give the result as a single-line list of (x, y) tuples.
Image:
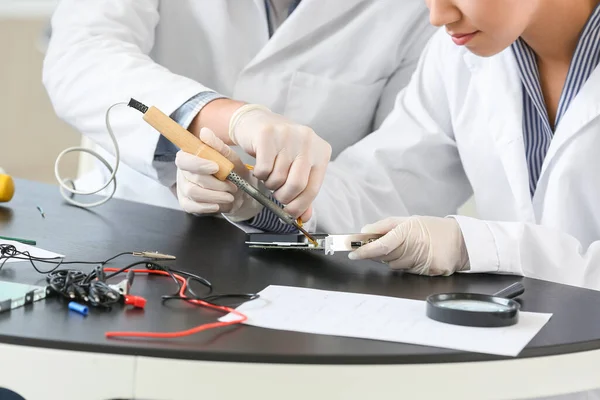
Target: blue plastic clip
[(79, 308)]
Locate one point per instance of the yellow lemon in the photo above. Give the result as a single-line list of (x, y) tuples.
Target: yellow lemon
[(7, 188)]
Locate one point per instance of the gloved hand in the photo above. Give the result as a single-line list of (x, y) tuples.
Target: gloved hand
[(290, 158), (419, 245), (199, 192)]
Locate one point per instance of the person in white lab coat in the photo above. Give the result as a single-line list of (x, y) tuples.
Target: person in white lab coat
[(328, 72), (505, 105)]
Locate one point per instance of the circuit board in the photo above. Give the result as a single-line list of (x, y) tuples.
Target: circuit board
[(14, 295), (327, 243)]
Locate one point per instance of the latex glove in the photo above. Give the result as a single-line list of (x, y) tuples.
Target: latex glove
[(419, 245), (199, 192), (290, 158)]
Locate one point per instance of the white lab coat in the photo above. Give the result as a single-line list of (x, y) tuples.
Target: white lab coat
[(456, 130), (334, 65)]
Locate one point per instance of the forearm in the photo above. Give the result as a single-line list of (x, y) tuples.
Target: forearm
[(216, 116)]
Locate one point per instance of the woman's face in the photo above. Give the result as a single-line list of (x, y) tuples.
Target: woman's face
[(484, 27)]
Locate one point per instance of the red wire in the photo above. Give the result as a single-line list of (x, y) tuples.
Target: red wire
[(169, 335)]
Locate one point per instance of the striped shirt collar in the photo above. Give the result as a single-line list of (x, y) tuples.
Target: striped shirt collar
[(537, 130), (585, 59)]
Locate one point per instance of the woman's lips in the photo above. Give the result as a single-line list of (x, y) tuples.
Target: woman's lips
[(461, 39)]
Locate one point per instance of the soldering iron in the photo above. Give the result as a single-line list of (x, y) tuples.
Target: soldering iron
[(189, 143)]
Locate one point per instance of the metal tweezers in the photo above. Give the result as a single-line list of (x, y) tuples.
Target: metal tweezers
[(327, 243)]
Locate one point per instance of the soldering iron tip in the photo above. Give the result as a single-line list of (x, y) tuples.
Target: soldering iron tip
[(308, 236)]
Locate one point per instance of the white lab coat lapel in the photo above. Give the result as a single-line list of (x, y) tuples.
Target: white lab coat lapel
[(500, 101), (264, 25), (259, 3), (309, 16), (584, 108)]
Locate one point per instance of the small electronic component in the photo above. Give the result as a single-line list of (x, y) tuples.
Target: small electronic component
[(124, 286), (78, 308), (14, 295), (329, 244)]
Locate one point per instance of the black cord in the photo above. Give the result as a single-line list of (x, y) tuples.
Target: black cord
[(72, 284), (91, 288), (209, 298), (197, 278), (9, 251)]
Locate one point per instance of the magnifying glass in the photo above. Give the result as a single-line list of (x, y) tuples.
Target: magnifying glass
[(473, 309)]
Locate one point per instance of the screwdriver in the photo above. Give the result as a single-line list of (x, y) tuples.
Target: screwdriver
[(189, 143)]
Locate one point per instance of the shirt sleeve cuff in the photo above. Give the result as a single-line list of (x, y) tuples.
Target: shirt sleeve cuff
[(266, 221), (165, 150), (480, 243), (269, 222)]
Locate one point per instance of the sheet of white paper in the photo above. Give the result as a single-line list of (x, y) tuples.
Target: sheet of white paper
[(34, 251), (381, 318)]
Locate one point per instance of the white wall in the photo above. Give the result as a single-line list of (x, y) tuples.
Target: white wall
[(31, 135)]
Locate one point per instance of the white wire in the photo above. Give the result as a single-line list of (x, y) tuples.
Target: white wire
[(68, 192)]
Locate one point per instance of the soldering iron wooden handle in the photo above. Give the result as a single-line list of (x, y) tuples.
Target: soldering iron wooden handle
[(186, 141)]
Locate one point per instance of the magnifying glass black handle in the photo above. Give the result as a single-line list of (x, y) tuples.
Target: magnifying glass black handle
[(512, 291)]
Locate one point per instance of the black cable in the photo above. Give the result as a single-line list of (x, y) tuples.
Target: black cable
[(177, 296), (125, 253), (129, 266), (91, 288), (243, 296), (149, 265), (198, 278), (188, 285), (209, 298), (8, 251)]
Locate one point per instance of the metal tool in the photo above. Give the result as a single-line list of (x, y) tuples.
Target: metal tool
[(189, 143), (124, 286), (322, 242), (474, 309), (154, 255)]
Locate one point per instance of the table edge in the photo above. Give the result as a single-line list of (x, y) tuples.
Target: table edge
[(176, 354)]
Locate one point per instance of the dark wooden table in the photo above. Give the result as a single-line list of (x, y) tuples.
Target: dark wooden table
[(214, 249)]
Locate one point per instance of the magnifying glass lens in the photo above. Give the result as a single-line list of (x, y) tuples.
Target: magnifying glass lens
[(472, 305)]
